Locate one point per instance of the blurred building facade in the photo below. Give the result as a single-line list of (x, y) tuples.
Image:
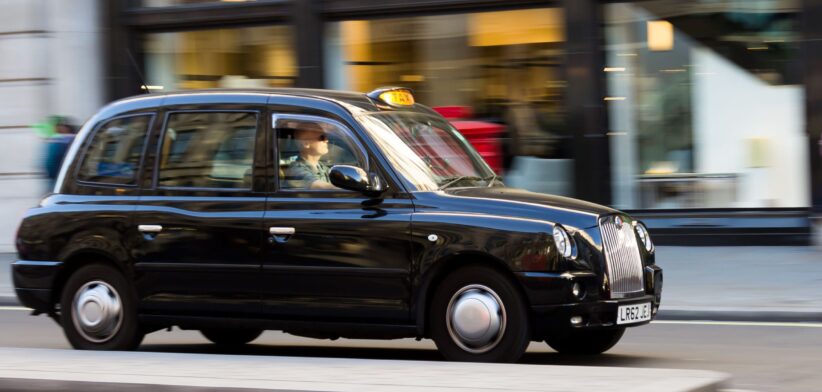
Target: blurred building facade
[(51, 63), (702, 117)]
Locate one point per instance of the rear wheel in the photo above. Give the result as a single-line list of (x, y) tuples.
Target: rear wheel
[(231, 336), (584, 342), (478, 315), (99, 311)]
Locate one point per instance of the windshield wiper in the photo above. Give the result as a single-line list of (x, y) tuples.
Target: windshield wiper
[(491, 180), (454, 180)]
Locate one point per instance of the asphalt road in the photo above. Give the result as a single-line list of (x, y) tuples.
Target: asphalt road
[(759, 356)]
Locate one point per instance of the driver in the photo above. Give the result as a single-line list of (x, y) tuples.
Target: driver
[(307, 171)]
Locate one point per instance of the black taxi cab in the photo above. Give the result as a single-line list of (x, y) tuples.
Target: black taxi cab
[(323, 214)]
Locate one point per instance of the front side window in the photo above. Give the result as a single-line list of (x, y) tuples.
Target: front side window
[(429, 152), (208, 150), (114, 153), (308, 148)]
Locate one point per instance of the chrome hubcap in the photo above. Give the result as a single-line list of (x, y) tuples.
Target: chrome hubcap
[(98, 311), (476, 319)]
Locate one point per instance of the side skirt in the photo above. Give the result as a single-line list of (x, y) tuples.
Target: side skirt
[(312, 329)]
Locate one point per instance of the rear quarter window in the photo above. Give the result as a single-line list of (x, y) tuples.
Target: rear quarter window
[(114, 153)]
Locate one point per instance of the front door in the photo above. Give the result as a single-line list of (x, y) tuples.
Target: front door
[(199, 225), (331, 254)]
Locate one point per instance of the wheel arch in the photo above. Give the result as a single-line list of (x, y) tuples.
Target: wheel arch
[(444, 267), (79, 259)]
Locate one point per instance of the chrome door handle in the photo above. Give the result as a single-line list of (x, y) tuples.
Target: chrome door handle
[(280, 235), (152, 229), (281, 230)]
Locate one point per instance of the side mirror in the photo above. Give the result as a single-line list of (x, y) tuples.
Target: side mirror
[(356, 179)]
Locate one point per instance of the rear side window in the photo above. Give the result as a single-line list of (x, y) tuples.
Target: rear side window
[(114, 153), (208, 150)]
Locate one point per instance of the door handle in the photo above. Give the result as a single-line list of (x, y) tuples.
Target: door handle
[(152, 229), (281, 230), (280, 234)]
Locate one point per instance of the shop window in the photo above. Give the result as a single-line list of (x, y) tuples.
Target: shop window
[(249, 57), (706, 104), (502, 67)]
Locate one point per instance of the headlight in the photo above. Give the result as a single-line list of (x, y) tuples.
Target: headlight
[(563, 242), (642, 231)]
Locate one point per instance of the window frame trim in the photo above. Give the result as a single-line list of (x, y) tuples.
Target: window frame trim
[(155, 180), (310, 117), (88, 142)]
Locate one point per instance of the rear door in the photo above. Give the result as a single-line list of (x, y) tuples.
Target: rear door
[(199, 221)]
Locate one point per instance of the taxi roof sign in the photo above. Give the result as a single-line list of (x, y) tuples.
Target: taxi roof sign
[(393, 96)]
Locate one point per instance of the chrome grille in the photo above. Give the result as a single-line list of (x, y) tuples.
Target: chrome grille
[(621, 256)]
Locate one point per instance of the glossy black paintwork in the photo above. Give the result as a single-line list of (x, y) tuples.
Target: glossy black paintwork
[(349, 258), (353, 260), (207, 256)]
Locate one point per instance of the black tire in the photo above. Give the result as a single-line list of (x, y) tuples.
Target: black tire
[(516, 334), (128, 334), (231, 336), (582, 342)]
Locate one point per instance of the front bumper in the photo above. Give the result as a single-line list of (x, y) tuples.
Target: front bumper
[(594, 314), (552, 304), (34, 281)]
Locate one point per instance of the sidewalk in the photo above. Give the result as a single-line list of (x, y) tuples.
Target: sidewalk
[(745, 283), (62, 369), (767, 283)]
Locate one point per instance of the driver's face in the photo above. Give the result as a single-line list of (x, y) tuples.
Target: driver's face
[(316, 142)]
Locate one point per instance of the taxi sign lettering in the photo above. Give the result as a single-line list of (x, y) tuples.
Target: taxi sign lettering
[(397, 97)]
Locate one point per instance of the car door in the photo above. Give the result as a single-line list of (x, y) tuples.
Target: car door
[(332, 254), (199, 222)]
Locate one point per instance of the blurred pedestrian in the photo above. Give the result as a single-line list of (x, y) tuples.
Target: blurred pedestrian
[(58, 133)]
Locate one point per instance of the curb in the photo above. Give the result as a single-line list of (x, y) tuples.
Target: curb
[(740, 315), (9, 300), (184, 372), (36, 385)]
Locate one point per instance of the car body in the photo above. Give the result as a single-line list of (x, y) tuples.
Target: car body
[(157, 238)]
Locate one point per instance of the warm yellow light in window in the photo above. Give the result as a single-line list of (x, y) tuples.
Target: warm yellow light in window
[(412, 78), (660, 35), (516, 27), (356, 46)]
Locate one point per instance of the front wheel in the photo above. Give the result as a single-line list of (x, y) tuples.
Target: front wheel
[(231, 336), (582, 342), (478, 315), (99, 311)]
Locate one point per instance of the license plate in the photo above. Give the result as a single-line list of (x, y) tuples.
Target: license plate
[(636, 313)]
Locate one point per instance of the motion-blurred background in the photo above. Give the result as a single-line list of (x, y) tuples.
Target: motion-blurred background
[(701, 117)]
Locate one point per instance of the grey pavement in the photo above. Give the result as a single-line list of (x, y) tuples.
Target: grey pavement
[(768, 283), (334, 374), (744, 283)]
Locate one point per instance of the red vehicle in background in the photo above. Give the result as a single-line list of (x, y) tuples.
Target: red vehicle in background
[(486, 137)]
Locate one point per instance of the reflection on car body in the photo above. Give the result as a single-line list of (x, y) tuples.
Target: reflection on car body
[(187, 218)]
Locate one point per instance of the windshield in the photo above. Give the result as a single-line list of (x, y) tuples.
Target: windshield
[(427, 150)]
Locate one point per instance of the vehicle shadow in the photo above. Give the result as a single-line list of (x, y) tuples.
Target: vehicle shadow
[(405, 354)]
